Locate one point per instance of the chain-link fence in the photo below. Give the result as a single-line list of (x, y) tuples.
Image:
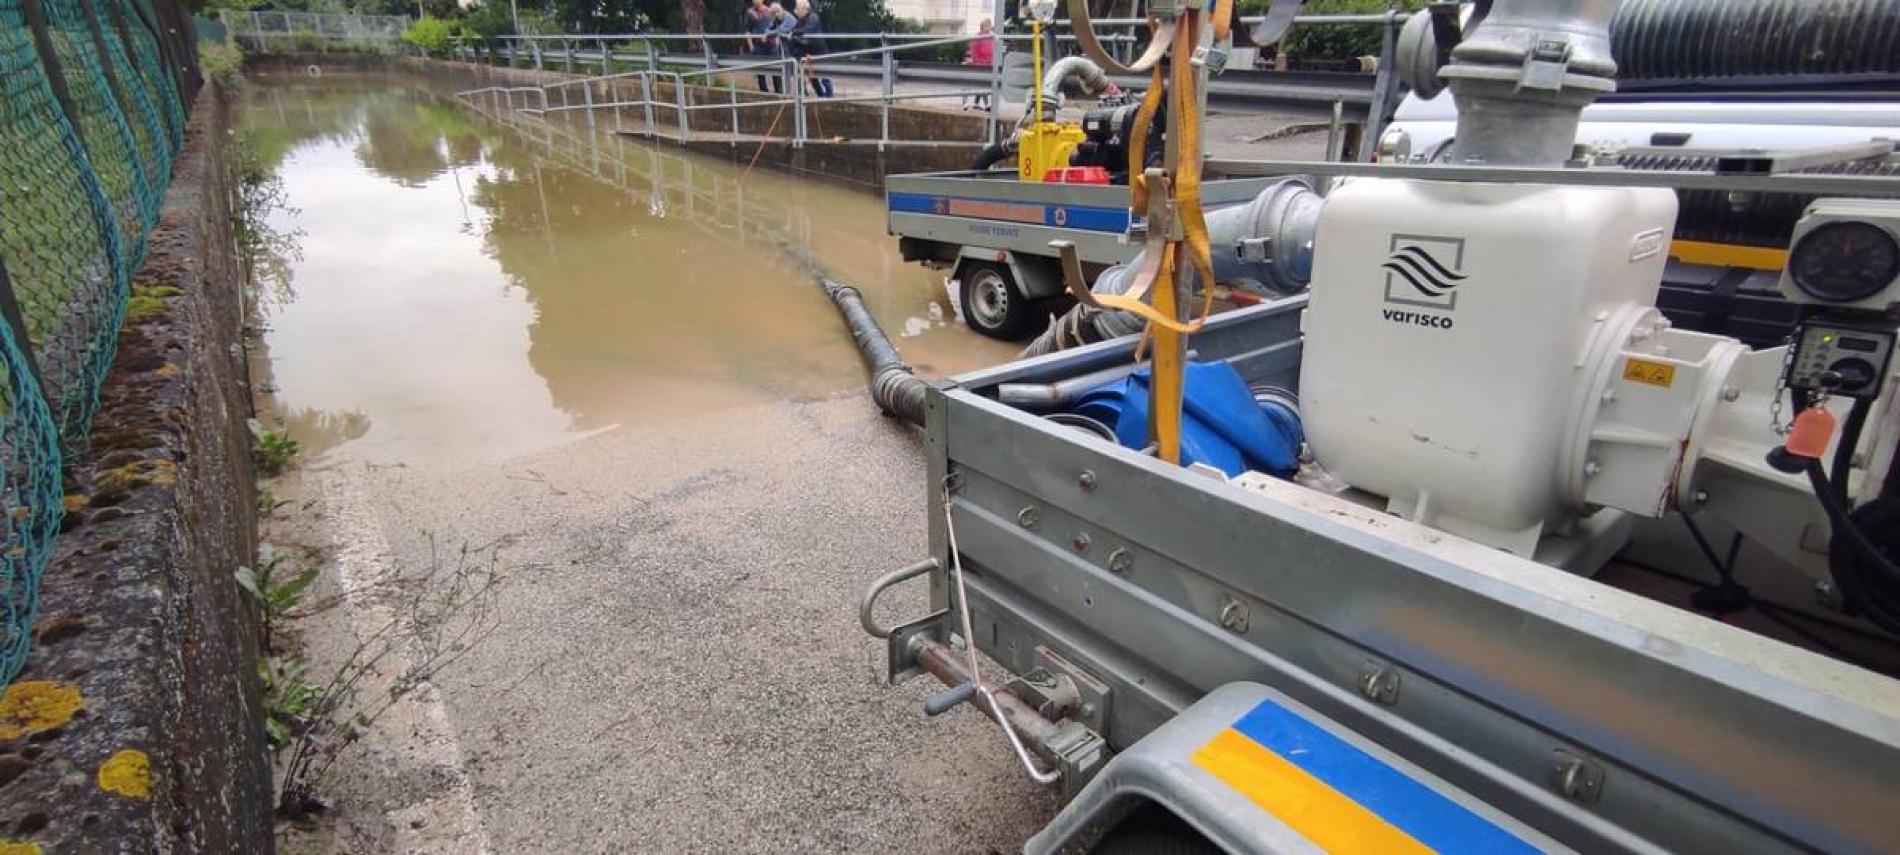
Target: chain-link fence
[(93, 95)]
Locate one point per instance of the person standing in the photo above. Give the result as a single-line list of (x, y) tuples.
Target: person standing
[(802, 33), (772, 44), (758, 23), (983, 55)]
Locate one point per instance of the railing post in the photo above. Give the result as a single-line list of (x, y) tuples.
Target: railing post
[(679, 101), (646, 97), (535, 46), (732, 97), (887, 70), (567, 56), (796, 84), (1384, 89), (587, 93), (602, 45)]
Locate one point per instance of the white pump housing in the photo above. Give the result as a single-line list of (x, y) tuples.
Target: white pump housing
[(1488, 357)]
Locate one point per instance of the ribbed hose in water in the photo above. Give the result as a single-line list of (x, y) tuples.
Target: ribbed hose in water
[(1706, 40), (893, 388)]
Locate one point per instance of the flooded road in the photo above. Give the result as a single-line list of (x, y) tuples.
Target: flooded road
[(600, 375), (468, 290)]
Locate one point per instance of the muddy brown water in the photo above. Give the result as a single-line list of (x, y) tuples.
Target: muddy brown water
[(443, 284)]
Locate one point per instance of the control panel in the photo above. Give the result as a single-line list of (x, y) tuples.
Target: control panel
[(1845, 359)]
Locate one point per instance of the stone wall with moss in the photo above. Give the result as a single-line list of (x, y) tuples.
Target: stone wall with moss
[(135, 726)]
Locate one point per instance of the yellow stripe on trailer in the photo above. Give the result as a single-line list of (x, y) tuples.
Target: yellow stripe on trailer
[(1307, 805), (1728, 255)]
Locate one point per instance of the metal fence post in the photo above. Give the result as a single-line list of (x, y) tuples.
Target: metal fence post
[(567, 56), (796, 84), (679, 101), (587, 93), (732, 97), (1384, 89), (602, 45), (887, 72), (646, 98)]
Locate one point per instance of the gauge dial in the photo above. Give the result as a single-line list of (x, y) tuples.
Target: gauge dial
[(1845, 261)]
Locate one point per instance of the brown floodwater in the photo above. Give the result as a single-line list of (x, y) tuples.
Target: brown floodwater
[(442, 285)]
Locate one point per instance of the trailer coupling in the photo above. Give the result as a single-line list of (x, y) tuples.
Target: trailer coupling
[(1046, 714)]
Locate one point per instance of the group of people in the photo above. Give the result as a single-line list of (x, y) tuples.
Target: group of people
[(771, 32)]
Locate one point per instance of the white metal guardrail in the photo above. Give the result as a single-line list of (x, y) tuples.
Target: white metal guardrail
[(262, 27), (659, 56)]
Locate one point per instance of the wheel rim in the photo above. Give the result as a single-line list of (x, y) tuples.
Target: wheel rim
[(989, 299)]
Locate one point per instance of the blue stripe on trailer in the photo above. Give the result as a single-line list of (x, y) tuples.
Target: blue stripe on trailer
[(1082, 217), (1427, 815)]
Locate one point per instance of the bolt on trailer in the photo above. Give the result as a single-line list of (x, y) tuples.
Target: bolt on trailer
[(1478, 610)]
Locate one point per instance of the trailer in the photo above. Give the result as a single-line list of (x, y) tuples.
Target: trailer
[(1433, 631), (1170, 638), (992, 233)]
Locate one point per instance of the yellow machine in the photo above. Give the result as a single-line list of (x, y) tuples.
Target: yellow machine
[(1044, 145)]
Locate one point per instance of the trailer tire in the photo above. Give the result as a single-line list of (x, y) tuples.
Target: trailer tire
[(1153, 830), (993, 303)]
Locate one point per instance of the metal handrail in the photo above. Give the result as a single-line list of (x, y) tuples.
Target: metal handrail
[(795, 70)]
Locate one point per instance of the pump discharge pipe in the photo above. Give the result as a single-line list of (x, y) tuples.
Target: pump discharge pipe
[(893, 387)]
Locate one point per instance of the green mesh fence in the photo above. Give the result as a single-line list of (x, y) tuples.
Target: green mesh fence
[(92, 115)]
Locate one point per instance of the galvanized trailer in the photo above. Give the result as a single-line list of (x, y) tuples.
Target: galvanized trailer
[(992, 232), (1148, 610)]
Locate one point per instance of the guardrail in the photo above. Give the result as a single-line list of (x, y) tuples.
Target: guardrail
[(1374, 93), (262, 28)]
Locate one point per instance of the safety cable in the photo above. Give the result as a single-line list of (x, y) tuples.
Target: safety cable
[(969, 648)]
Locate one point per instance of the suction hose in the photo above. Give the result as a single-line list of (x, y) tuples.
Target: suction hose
[(1264, 246), (1082, 69), (893, 388)]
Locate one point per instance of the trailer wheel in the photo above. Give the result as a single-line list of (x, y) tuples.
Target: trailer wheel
[(993, 304), (1153, 830)]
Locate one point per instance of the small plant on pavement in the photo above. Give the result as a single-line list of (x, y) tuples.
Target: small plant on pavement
[(273, 451), (290, 701), (275, 589), (438, 617)]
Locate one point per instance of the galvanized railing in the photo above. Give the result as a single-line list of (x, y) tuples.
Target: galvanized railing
[(702, 68), (264, 29)]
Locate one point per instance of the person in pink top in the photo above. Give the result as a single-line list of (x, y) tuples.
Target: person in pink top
[(983, 54)]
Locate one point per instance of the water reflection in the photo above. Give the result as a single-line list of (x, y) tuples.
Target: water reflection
[(472, 288)]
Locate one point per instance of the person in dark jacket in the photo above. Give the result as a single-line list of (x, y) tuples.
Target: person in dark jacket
[(803, 31), (758, 23)]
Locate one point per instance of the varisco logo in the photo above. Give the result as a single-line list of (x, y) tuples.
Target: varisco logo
[(1424, 271)]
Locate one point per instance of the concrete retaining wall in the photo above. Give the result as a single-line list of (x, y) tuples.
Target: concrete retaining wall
[(148, 736)]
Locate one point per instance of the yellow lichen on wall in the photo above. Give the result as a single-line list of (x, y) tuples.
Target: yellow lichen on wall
[(20, 847), (31, 706), (129, 773)]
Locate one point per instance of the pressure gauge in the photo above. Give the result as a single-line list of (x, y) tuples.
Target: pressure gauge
[(1845, 256), (1844, 261)]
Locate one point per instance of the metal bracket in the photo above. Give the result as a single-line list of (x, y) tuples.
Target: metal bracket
[(1254, 249), (907, 639), (1545, 66), (1089, 697), (1079, 753), (1213, 58), (1576, 777)]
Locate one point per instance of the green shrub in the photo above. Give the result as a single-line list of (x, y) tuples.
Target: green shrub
[(431, 35), (222, 62), (1333, 42)]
